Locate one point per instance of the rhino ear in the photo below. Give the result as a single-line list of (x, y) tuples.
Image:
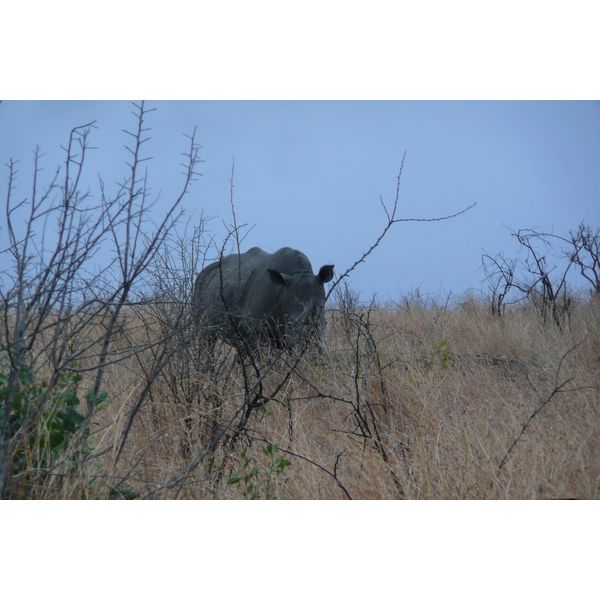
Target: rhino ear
[(325, 274), (278, 278)]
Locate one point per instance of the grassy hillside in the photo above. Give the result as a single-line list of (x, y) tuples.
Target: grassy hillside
[(416, 401)]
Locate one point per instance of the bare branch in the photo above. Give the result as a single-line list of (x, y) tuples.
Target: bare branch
[(558, 389), (391, 220)]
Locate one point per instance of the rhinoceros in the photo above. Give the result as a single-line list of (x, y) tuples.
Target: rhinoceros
[(258, 297)]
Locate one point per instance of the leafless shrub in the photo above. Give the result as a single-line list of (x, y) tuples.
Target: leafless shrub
[(547, 291), (500, 275), (539, 276), (64, 319), (583, 250)]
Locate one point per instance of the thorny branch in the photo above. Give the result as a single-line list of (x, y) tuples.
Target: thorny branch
[(58, 315), (391, 220)]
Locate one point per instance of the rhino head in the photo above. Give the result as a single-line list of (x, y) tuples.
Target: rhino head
[(301, 302)]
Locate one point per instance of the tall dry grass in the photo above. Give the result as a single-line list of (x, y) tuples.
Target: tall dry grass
[(416, 401)]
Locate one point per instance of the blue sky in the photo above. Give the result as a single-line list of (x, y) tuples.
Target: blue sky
[(309, 174)]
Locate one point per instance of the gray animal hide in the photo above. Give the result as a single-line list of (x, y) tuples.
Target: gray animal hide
[(260, 297)]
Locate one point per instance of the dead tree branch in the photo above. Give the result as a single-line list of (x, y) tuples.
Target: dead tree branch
[(391, 220)]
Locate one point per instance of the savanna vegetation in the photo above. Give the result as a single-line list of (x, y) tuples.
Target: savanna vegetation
[(106, 392)]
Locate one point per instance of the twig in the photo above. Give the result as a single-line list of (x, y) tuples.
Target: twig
[(558, 389), (333, 473)]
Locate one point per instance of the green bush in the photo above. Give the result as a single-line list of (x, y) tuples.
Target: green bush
[(44, 428), (257, 481)]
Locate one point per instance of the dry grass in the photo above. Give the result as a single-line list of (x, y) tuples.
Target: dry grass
[(417, 401)]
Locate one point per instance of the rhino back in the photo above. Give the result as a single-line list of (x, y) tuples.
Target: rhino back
[(236, 286), (290, 261)]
